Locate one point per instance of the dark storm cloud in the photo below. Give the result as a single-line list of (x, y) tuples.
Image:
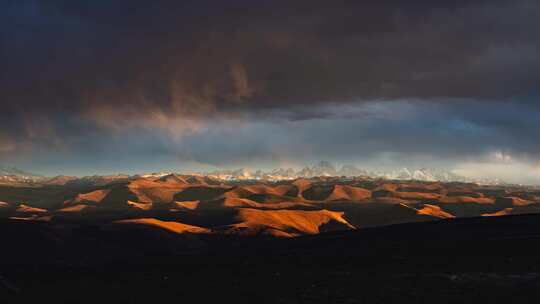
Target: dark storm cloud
[(177, 54), (78, 72)]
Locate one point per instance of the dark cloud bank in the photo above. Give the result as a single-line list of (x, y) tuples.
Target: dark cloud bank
[(130, 85)]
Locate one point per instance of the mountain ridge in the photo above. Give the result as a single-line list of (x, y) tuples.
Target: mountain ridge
[(13, 175)]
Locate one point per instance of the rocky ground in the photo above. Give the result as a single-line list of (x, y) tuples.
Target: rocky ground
[(319, 240)]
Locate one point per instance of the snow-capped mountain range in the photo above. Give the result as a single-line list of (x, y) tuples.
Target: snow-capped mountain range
[(10, 175), (324, 168), (14, 175), (5, 171)]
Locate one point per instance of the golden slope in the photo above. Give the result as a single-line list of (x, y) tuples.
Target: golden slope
[(435, 211), (94, 197), (349, 193), (76, 208), (141, 206), (22, 208), (175, 227), (189, 205), (291, 222)]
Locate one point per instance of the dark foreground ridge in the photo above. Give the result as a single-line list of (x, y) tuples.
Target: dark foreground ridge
[(488, 259)]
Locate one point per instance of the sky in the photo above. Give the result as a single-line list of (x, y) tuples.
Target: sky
[(108, 86)]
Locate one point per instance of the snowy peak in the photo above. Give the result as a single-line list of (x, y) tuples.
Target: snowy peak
[(350, 170), (327, 169), (424, 174), (15, 176), (12, 175), (12, 171), (324, 168)]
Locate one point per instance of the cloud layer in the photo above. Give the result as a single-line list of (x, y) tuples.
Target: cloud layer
[(221, 82)]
